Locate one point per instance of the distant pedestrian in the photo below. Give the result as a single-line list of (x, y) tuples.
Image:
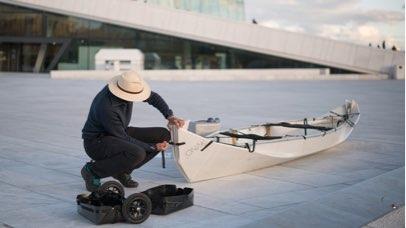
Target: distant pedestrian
[(370, 45), (254, 21), (394, 48), (383, 45)]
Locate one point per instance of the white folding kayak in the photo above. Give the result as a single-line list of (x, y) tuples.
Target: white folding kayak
[(241, 150)]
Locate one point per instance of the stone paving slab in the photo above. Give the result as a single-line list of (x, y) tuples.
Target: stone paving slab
[(350, 207), (41, 152), (300, 176), (393, 219), (293, 197)]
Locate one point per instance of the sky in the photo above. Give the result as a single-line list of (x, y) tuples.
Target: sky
[(355, 21)]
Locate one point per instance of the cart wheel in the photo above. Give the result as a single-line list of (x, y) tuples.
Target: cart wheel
[(112, 186), (137, 208)]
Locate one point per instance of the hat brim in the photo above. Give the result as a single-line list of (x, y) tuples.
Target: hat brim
[(114, 89)]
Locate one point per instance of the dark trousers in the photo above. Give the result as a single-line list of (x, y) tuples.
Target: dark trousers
[(113, 156)]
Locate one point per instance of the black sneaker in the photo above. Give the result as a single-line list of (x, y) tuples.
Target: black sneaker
[(92, 182), (126, 181)]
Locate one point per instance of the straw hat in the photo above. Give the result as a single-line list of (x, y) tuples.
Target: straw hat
[(129, 86)]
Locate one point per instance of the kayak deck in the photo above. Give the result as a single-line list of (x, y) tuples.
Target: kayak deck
[(282, 130)]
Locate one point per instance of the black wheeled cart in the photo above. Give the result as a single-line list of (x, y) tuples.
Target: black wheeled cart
[(108, 205)]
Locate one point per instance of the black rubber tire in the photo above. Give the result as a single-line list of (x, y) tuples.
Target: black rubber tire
[(112, 186), (136, 208)]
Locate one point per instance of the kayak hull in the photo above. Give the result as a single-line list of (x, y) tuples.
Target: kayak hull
[(203, 158)]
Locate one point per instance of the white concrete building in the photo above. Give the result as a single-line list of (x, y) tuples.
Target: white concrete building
[(119, 60), (75, 30)]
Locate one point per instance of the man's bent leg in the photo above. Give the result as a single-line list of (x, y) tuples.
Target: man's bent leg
[(119, 157), (148, 157), (149, 135)]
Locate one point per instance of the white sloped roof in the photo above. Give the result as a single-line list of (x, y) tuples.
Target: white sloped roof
[(240, 35)]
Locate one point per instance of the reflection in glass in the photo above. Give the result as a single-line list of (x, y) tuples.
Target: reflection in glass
[(52, 50), (17, 21), (230, 9), (28, 57)]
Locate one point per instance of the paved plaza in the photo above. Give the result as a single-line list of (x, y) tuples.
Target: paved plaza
[(350, 185)]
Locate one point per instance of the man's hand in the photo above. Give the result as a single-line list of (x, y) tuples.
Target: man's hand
[(162, 146), (178, 122)]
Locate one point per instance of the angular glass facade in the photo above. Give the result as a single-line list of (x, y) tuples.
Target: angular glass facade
[(38, 41), (229, 9)]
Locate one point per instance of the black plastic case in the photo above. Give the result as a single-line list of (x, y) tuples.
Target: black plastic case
[(168, 198), (100, 214)]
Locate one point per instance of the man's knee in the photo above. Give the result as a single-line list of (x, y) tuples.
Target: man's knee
[(135, 156), (165, 134)]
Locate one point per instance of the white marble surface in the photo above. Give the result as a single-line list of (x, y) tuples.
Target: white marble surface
[(41, 154)]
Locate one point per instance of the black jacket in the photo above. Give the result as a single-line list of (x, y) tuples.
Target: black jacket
[(110, 115)]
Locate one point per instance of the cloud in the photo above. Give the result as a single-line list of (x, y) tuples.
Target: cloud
[(351, 32), (329, 4), (386, 16), (361, 34), (346, 20)]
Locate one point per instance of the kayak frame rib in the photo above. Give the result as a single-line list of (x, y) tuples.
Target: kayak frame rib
[(299, 126)]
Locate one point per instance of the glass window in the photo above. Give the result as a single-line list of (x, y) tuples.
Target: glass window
[(17, 21), (52, 50), (230, 9), (99, 30), (9, 57), (66, 26)]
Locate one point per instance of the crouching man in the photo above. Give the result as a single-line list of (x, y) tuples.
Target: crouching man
[(115, 148)]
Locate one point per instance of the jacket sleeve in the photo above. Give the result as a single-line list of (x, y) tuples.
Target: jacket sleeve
[(113, 126), (159, 103)]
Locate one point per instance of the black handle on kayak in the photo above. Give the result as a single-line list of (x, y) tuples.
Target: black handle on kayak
[(176, 144), (163, 159), (163, 153)]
